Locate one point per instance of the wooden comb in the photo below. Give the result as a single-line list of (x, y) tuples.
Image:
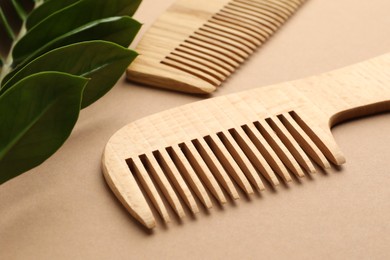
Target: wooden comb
[(224, 142), (195, 45)]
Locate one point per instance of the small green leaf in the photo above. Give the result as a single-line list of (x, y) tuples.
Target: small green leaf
[(80, 59), (120, 30), (34, 123), (63, 22)]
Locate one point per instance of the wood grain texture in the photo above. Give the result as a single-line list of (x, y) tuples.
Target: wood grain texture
[(195, 45), (271, 131)]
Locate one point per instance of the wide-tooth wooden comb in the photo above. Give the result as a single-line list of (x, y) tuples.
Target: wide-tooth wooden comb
[(227, 142), (195, 45)]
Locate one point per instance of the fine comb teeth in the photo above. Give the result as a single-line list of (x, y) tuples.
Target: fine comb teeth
[(195, 45), (219, 145)]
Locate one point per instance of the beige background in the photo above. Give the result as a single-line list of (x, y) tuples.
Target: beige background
[(64, 210)]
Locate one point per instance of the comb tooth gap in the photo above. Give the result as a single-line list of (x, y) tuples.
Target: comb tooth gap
[(193, 158), (276, 10), (249, 46), (304, 140), (321, 144), (236, 30), (280, 149), (233, 146), (243, 162), (245, 23), (189, 174), (196, 66), (227, 39), (249, 151), (206, 56), (164, 184), (254, 155), (201, 60), (268, 153), (216, 49), (215, 167), (263, 10), (293, 3), (203, 171), (199, 125), (225, 62), (221, 44), (177, 180), (150, 188), (252, 16), (183, 67), (136, 166), (228, 162), (259, 13), (291, 144), (288, 5)]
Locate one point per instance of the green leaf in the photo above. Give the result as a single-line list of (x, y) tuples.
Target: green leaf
[(34, 123), (64, 21), (48, 8), (120, 30), (43, 11), (81, 59)]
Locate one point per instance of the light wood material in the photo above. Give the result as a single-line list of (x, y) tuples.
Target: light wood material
[(195, 45), (267, 131)]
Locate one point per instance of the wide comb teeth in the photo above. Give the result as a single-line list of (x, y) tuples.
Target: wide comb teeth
[(217, 163), (195, 47)]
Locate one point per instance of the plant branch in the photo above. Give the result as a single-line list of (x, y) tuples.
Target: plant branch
[(7, 66)]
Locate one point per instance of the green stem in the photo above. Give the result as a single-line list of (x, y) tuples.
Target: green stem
[(38, 3), (7, 67)]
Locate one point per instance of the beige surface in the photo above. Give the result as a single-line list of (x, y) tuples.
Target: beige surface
[(63, 209)]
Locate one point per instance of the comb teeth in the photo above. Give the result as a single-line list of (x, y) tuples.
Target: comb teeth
[(200, 45), (215, 164)]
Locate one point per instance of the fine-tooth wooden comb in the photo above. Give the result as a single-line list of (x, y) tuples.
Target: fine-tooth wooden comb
[(195, 45), (227, 142)]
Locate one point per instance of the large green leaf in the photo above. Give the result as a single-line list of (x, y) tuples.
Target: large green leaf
[(35, 123), (69, 19), (53, 6), (120, 30), (81, 59)]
